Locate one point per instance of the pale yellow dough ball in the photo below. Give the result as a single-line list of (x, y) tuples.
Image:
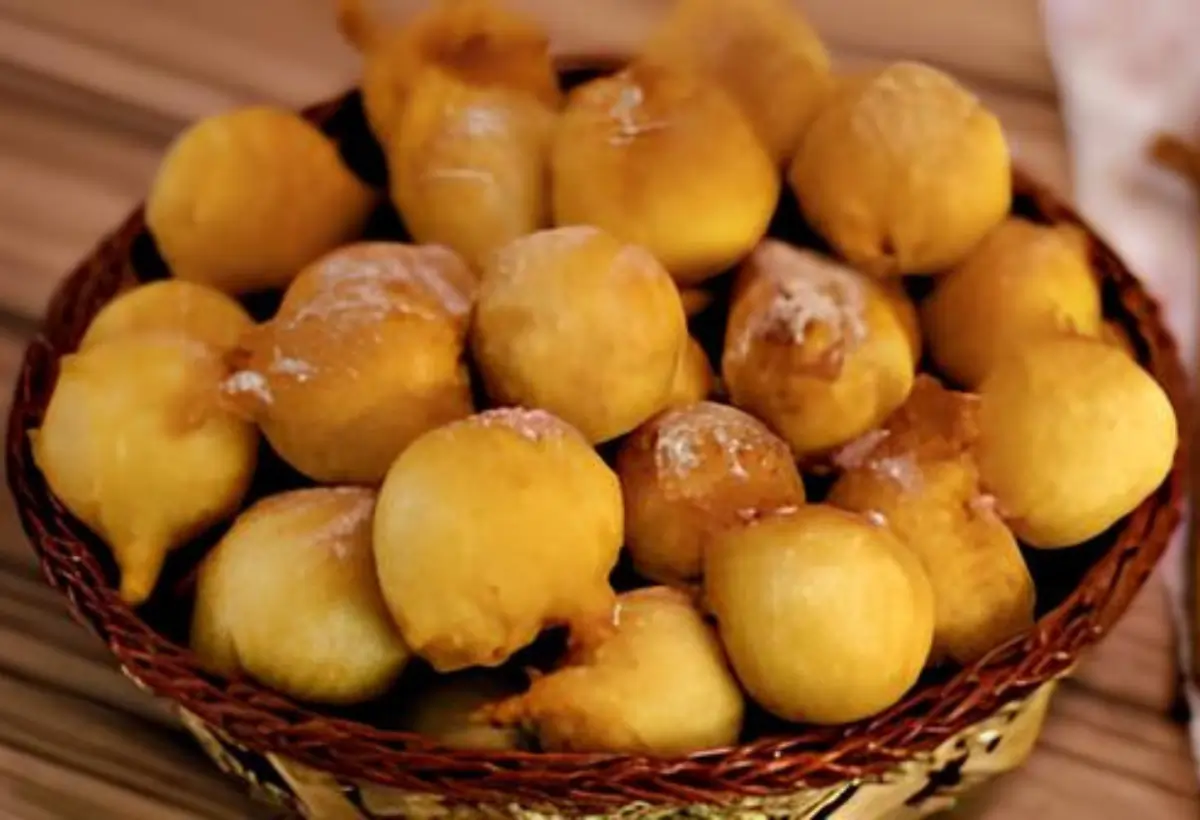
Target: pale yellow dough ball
[(139, 445), (827, 618), (243, 200), (653, 680), (1022, 281), (903, 171), (468, 164), (660, 158), (289, 597), (694, 378), (582, 324), (763, 53), (492, 528), (173, 307), (480, 42), (1073, 436)]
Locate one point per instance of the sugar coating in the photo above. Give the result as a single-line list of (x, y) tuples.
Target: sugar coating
[(335, 531), (810, 290), (629, 115), (544, 249), (357, 290), (298, 369), (511, 261), (913, 112), (531, 424), (482, 121), (249, 382), (984, 505), (875, 518), (675, 450), (901, 468), (345, 525), (856, 453), (681, 435)]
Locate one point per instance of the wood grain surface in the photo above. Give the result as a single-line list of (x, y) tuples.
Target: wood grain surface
[(91, 91)]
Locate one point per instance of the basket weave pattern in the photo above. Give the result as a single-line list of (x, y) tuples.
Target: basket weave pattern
[(917, 788), (254, 718)]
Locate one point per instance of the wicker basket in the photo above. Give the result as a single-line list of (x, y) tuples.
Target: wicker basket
[(954, 730)]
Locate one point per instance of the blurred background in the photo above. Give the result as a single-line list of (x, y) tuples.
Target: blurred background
[(92, 91)]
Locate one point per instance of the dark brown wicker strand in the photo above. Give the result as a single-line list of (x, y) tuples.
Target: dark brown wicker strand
[(266, 722)]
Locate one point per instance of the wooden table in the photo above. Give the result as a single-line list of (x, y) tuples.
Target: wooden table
[(90, 93)]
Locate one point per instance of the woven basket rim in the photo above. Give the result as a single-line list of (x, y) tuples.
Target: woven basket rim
[(269, 723)]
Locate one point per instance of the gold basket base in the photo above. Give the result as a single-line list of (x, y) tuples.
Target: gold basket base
[(918, 788)]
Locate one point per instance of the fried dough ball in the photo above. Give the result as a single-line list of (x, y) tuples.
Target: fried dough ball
[(903, 171), (364, 355), (653, 682), (579, 323), (244, 200), (691, 472), (763, 53), (451, 711), (479, 42), (468, 164), (694, 378), (492, 528), (1073, 436), (174, 307), (827, 618), (138, 445), (906, 312), (917, 476), (660, 158), (813, 348), (289, 597), (1022, 281)]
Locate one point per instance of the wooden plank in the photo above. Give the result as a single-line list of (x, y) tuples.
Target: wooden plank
[(1136, 664), (181, 58), (185, 56), (68, 179), (1000, 43), (1097, 760), (15, 553), (71, 747)]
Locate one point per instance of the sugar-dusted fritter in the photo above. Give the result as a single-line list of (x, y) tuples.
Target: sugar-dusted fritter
[(652, 681), (814, 348), (664, 159), (365, 354), (289, 597), (492, 528)]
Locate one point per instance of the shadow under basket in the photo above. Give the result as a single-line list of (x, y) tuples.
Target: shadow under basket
[(953, 731)]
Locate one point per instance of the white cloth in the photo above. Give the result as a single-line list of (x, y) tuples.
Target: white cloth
[(1127, 70)]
